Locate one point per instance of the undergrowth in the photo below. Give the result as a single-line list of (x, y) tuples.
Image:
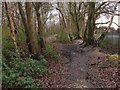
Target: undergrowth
[(106, 43), (63, 37), (18, 71), (50, 52)]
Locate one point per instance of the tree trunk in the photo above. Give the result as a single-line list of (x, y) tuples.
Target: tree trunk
[(90, 26), (24, 21), (11, 25), (3, 14), (33, 36), (76, 22), (62, 15), (40, 27)]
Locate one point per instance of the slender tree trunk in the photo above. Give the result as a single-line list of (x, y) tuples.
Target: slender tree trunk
[(11, 25), (62, 16), (77, 22), (40, 27), (24, 21), (3, 14), (75, 19)]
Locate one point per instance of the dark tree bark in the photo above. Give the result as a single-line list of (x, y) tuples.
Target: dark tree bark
[(90, 26), (77, 22)]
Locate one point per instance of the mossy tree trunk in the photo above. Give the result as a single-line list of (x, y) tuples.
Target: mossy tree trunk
[(90, 25)]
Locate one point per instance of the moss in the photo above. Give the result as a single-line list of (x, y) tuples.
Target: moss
[(113, 57), (114, 60)]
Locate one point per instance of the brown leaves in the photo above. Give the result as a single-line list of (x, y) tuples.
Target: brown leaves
[(102, 73)]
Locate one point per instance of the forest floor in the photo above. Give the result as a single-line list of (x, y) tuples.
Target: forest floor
[(81, 68)]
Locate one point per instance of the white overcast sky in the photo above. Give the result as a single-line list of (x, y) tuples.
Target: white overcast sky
[(116, 19), (102, 19)]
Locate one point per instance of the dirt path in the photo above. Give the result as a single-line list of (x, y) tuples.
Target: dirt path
[(81, 68), (78, 72), (78, 59)]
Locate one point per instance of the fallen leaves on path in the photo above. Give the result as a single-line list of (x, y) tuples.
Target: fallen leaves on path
[(100, 73)]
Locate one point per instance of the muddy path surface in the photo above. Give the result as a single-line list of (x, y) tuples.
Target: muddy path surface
[(81, 68), (78, 65)]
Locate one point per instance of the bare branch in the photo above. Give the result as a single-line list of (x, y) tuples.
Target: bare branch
[(100, 6), (103, 23)]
